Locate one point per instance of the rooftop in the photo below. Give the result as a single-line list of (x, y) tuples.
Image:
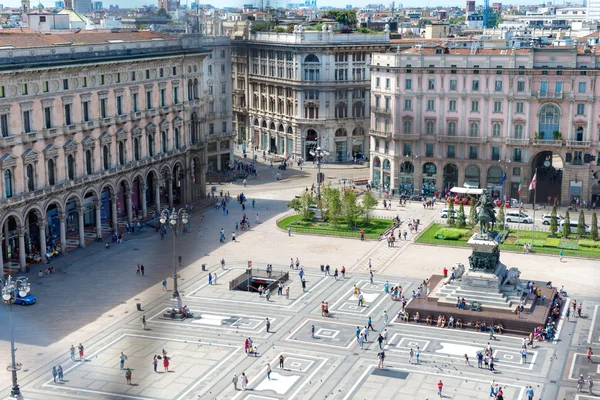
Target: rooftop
[(27, 38)]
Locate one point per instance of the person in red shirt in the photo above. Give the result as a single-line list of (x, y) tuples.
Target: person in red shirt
[(440, 386), (362, 235), (445, 272)]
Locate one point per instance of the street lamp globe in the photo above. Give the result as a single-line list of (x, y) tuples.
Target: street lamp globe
[(173, 221), (163, 219), (184, 218), (6, 296)]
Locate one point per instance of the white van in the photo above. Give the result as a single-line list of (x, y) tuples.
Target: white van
[(515, 216)]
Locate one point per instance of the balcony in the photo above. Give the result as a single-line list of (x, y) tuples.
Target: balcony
[(450, 138), (221, 135), (136, 115), (8, 141), (517, 142), (380, 134), (151, 113), (407, 137), (238, 91), (547, 95), (50, 133), (474, 139), (545, 142), (88, 125), (177, 107), (70, 128), (381, 110), (104, 122), (164, 110), (579, 144), (32, 136), (210, 116), (121, 119)]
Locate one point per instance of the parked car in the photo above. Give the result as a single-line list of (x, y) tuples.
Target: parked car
[(546, 219), (27, 300), (445, 212), (518, 217), (573, 227)]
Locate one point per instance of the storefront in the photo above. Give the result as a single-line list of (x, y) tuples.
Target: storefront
[(429, 179)]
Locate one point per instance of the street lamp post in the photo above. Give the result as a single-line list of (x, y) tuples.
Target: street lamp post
[(173, 219), (10, 290), (413, 157), (319, 154), (503, 198)]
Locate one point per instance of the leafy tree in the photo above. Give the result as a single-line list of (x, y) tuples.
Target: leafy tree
[(451, 214), (304, 206), (500, 216), (350, 208), (472, 212), (346, 17), (369, 203), (581, 224), (163, 13), (594, 227), (566, 231), (422, 22), (461, 219), (553, 221), (332, 201)]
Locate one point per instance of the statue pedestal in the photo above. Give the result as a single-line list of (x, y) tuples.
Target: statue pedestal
[(483, 281)]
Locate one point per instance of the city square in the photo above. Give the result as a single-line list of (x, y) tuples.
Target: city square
[(93, 300)]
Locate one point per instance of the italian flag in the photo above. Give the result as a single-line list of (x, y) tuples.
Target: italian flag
[(520, 187)]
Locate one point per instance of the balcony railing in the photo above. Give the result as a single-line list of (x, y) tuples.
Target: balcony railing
[(381, 110), (88, 125), (545, 142), (121, 119), (136, 115), (547, 95), (50, 133), (380, 134), (580, 144), (450, 138), (105, 122), (407, 137), (8, 141), (517, 142), (474, 139)]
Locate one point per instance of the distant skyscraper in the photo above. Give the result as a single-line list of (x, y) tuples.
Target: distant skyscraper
[(82, 6), (59, 4), (593, 10), (470, 6), (97, 5)]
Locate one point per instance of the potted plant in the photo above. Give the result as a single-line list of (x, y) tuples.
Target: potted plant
[(557, 135), (535, 136)]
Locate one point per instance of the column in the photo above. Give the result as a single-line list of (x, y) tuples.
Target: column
[(1, 257), (98, 206), (157, 195), (113, 213), (128, 204), (570, 126), (22, 249), (170, 191), (42, 226), (393, 174), (590, 128), (62, 217), (81, 227), (143, 200), (219, 166)]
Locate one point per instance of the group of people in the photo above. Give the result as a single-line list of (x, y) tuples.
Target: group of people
[(250, 348)]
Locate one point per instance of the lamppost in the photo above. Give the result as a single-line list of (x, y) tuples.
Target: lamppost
[(506, 161), (10, 290), (413, 157), (174, 218), (318, 153)]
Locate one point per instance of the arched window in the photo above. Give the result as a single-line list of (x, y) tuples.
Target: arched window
[(430, 127), (290, 131), (272, 127), (106, 158), (311, 58), (150, 145), (280, 129), (386, 125), (407, 126), (136, 149), (190, 90), (121, 153), (549, 121), (264, 124), (8, 190), (474, 129), (177, 139), (579, 134), (196, 91), (30, 178), (163, 138), (358, 131), (451, 128), (256, 122), (386, 164), (496, 128), (518, 131), (88, 162), (51, 176), (70, 167), (340, 132)]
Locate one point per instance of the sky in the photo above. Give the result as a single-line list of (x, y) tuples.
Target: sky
[(281, 3)]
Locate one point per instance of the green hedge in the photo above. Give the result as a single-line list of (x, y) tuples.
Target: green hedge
[(589, 243), (551, 242), (451, 233), (568, 244)]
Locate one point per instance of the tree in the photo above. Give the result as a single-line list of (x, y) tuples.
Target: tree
[(500, 216), (461, 218), (369, 203), (472, 212), (162, 13), (581, 224), (350, 208), (594, 227), (553, 221), (566, 231), (304, 206), (451, 214), (332, 202)]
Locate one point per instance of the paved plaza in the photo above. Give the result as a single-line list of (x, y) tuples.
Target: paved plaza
[(93, 301)]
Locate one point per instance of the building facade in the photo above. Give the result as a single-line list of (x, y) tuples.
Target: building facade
[(294, 91), (101, 135), (444, 117)]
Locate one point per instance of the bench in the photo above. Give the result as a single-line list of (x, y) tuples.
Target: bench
[(475, 306), (178, 316)]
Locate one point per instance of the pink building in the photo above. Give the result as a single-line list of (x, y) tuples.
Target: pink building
[(445, 117)]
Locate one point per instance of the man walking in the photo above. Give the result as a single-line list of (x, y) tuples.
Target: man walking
[(143, 322), (59, 370), (72, 351), (418, 354), (440, 386), (385, 318), (122, 359), (235, 381), (128, 376), (54, 374), (268, 324), (80, 347)]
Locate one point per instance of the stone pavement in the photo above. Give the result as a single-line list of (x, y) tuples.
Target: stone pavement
[(93, 302)]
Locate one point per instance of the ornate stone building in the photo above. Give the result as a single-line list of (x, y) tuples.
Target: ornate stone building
[(444, 117), (96, 129)]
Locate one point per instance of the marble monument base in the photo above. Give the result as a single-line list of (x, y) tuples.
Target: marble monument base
[(483, 281)]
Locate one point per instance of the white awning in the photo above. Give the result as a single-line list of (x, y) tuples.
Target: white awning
[(464, 190)]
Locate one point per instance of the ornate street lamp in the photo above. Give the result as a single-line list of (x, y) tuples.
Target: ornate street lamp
[(10, 290), (173, 219), (318, 153)]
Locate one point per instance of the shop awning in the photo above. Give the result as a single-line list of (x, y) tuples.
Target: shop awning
[(466, 190)]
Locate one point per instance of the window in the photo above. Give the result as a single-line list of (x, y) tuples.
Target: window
[(222, 68), (473, 152), (147, 74), (452, 105), (430, 127), (4, 125), (582, 87), (429, 150), (65, 84), (211, 128), (70, 167), (496, 130), (27, 121), (8, 184), (376, 144), (149, 99), (163, 97), (387, 104), (121, 153), (495, 153), (387, 83), (68, 114), (176, 95), (377, 102), (544, 87), (161, 72), (47, 117), (520, 86), (408, 84), (103, 108), (580, 109), (451, 128), (133, 76), (163, 141), (24, 89), (451, 151), (106, 158), (86, 111), (475, 86), (51, 176), (518, 131), (88, 162), (210, 69), (174, 71), (136, 149), (430, 105), (224, 126), (386, 147), (30, 178), (498, 86), (223, 88), (407, 104), (474, 129), (518, 155), (453, 84), (210, 90), (516, 171), (102, 79), (406, 151), (177, 139), (475, 106), (134, 102), (119, 105), (519, 108), (84, 81), (377, 82), (431, 84), (497, 106), (2, 92), (558, 87), (45, 87), (407, 126)]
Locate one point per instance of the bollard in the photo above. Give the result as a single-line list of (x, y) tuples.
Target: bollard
[(203, 267), (322, 268), (139, 306)]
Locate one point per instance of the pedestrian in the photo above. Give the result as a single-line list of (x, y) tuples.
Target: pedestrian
[(301, 273), (560, 254), (128, 376), (335, 274), (80, 348), (590, 381), (233, 236), (54, 374), (312, 330), (492, 386), (360, 300), (440, 386), (214, 278), (268, 324), (143, 322), (287, 293), (245, 381), (72, 351), (381, 358), (164, 284), (492, 333), (580, 383), (268, 371), (166, 363), (142, 269), (479, 359), (385, 318), (122, 359), (361, 340), (370, 324), (210, 279), (60, 372), (281, 360), (467, 360), (529, 392), (524, 355), (371, 276), (303, 285), (411, 354), (234, 380), (418, 354), (568, 314), (289, 231), (492, 364), (385, 335), (155, 362), (589, 354), (137, 269), (343, 272)]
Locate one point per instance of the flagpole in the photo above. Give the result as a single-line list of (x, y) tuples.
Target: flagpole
[(520, 208), (534, 199)]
